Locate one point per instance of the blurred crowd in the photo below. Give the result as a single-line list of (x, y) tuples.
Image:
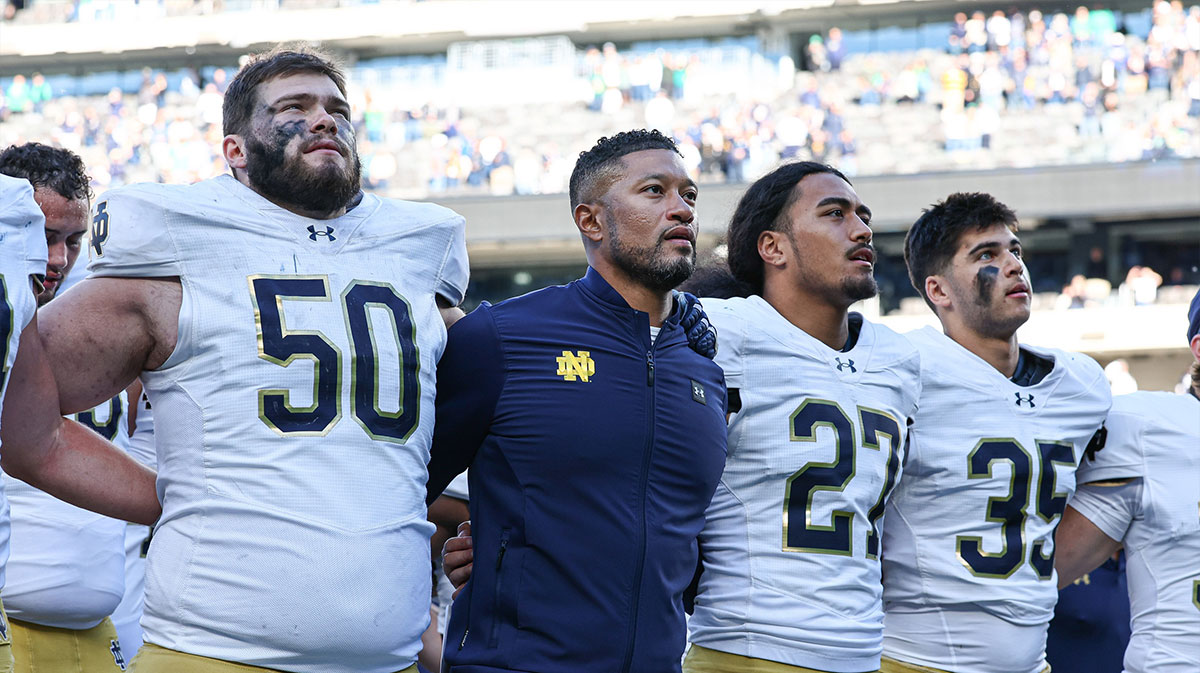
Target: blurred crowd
[(1114, 95)]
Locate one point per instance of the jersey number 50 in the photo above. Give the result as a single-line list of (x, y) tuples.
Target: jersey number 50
[(283, 346)]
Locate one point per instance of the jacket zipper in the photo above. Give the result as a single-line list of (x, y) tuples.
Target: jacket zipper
[(495, 638), (646, 455)]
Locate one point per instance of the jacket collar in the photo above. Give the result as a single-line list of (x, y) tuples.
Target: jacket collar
[(595, 284)]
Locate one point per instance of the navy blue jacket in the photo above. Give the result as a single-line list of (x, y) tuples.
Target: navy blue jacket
[(593, 456)]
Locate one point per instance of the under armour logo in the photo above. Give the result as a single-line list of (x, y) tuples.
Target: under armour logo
[(575, 367), (327, 233), (1028, 399), (848, 364), (118, 658), (698, 394)]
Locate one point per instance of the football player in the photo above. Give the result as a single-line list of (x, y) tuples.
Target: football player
[(40, 447), (820, 402), (1142, 492), (968, 548), (64, 573), (286, 327)]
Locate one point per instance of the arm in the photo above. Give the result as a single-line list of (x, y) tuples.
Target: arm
[(1080, 547), (102, 334), (450, 313), (446, 513), (470, 376), (60, 456)]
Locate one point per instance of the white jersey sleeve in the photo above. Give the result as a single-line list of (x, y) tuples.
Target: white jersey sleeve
[(1121, 457), (790, 545), (23, 242), (969, 547), (129, 236), (1162, 535), (67, 564), (292, 423)]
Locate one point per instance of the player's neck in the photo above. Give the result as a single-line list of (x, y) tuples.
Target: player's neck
[(1001, 353), (243, 178), (655, 303), (821, 320)]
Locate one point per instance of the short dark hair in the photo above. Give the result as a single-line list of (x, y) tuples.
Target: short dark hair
[(238, 107), (763, 208), (593, 168), (930, 243), (44, 166)]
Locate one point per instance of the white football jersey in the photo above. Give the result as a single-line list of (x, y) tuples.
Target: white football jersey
[(127, 617), (1155, 436), (968, 563), (23, 241), (790, 544), (293, 420), (66, 567)]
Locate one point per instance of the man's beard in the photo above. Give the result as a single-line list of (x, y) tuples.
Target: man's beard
[(844, 293), (317, 190), (650, 267)]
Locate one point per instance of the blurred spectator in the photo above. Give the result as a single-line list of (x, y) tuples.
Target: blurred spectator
[(1119, 378), (1140, 287)]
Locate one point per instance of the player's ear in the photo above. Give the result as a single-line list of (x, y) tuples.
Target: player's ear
[(771, 248), (1195, 346), (587, 219), (936, 290), (234, 149)]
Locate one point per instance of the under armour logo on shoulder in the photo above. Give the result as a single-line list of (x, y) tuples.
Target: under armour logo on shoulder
[(1028, 399), (327, 233), (848, 364), (118, 658)]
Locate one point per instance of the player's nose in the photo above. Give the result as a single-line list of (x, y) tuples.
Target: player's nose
[(323, 120), (57, 256)]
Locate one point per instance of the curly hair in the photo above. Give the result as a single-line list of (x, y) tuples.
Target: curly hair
[(238, 107), (44, 166), (930, 243), (595, 169), (762, 208)]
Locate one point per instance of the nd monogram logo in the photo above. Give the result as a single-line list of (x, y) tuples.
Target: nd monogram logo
[(313, 233), (848, 364), (1028, 399), (580, 366), (99, 234)]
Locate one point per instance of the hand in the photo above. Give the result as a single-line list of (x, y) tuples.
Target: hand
[(701, 334), (458, 557)]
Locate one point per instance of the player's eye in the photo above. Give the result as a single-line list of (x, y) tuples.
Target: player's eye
[(985, 256), (837, 212), (1017, 253), (656, 189)]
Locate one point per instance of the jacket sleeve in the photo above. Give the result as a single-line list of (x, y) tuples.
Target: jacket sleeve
[(470, 376)]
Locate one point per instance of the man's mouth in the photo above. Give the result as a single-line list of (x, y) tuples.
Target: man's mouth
[(1019, 290), (681, 233), (324, 146), (864, 255)]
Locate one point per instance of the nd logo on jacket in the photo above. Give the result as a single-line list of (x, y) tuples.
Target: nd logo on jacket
[(578, 366)]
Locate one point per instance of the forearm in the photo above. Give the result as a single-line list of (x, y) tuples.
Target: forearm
[(1080, 547), (82, 468)]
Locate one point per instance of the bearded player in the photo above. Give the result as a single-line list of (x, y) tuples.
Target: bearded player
[(1142, 492), (286, 327), (820, 401), (969, 543)]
